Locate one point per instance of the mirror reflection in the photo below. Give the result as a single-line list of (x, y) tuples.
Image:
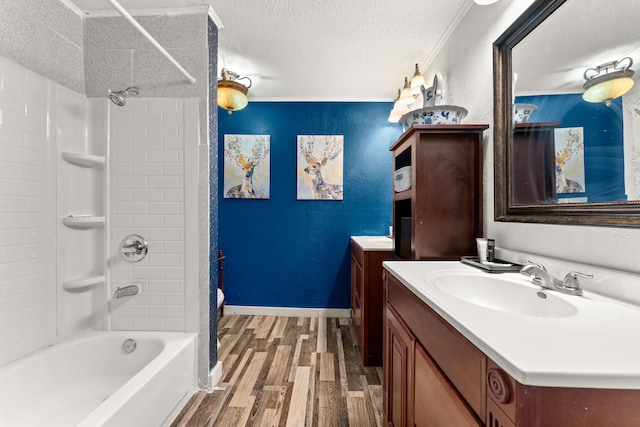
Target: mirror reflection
[(566, 149)]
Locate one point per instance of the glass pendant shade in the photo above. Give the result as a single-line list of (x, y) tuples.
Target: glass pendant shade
[(417, 81), (607, 89), (232, 96), (608, 81), (398, 110), (406, 97), (397, 113)]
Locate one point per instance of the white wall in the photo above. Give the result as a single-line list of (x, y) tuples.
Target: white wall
[(27, 267), (466, 63), (147, 192)]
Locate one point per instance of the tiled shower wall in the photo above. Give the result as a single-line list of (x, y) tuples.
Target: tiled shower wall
[(147, 198), (27, 206)]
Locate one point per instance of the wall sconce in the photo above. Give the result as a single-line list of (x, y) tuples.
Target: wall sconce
[(417, 82), (608, 81), (232, 95), (398, 110)]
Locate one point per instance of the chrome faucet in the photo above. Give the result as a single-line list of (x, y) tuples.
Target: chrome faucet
[(569, 285)]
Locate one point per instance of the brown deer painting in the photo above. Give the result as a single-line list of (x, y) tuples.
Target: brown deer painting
[(246, 151), (328, 187)]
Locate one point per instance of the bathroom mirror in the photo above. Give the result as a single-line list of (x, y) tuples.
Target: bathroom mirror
[(572, 162)]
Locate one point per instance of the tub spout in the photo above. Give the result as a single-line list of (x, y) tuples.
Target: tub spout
[(126, 291)]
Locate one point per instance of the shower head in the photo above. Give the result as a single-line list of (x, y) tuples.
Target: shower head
[(118, 98)]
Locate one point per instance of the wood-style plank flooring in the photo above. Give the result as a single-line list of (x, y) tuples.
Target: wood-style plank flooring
[(288, 371)]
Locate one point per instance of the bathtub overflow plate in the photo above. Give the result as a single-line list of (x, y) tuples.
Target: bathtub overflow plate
[(129, 345)]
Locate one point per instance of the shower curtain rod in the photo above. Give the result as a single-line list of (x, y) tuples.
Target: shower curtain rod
[(149, 37)]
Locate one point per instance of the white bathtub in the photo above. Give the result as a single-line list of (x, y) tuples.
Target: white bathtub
[(92, 381)]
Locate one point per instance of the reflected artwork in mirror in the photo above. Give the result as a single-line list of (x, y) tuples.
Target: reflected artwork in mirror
[(560, 157)]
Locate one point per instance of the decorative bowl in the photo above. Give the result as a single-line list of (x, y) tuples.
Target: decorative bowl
[(522, 112), (438, 115)]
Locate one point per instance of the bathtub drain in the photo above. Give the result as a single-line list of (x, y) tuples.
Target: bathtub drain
[(129, 345)]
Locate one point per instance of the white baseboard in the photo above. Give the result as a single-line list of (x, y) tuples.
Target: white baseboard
[(286, 311), (215, 375)]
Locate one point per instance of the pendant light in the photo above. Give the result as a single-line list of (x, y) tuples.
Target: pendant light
[(608, 81), (232, 95)]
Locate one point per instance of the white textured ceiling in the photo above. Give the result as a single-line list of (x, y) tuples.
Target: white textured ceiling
[(330, 50)]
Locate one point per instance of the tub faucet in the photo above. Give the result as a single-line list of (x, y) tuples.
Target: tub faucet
[(569, 285), (126, 291)]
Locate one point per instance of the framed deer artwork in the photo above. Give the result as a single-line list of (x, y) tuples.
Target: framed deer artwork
[(569, 146), (320, 167), (247, 166)]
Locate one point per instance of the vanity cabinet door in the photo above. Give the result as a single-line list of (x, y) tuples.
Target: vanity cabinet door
[(436, 402), (398, 372)]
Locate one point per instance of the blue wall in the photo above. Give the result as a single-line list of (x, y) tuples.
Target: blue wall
[(282, 252), (212, 42), (603, 140)]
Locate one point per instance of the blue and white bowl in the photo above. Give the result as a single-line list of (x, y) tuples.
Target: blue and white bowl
[(438, 115), (522, 112)]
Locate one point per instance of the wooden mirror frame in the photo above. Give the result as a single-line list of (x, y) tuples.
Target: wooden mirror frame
[(619, 214)]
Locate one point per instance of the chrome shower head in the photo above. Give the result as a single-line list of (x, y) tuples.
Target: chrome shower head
[(118, 98)]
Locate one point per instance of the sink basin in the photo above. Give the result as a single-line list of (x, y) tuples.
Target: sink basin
[(502, 294)]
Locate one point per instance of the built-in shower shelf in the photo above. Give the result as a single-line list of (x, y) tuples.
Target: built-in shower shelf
[(84, 160), (83, 221), (83, 283)]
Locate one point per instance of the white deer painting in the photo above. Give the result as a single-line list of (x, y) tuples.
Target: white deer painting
[(246, 166), (320, 173)]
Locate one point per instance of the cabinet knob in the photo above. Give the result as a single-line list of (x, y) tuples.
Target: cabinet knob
[(499, 386)]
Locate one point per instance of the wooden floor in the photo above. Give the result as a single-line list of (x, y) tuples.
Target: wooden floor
[(288, 371)]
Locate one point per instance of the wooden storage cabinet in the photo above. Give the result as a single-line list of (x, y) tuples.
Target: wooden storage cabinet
[(440, 215), (367, 300)]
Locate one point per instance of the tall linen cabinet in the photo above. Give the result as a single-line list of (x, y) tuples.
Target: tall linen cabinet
[(440, 215)]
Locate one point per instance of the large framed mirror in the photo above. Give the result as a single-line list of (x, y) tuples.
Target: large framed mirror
[(559, 158)]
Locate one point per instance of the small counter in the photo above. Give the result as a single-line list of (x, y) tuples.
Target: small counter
[(373, 243)]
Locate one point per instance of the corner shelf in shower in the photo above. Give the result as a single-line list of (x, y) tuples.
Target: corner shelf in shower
[(83, 283), (83, 221), (84, 160)]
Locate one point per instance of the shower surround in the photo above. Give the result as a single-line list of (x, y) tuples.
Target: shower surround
[(57, 278)]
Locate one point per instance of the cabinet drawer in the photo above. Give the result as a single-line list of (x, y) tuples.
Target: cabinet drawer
[(462, 363)]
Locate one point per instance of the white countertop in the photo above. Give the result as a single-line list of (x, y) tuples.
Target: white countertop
[(373, 243), (599, 347)]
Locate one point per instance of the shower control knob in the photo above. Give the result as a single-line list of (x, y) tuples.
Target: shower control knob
[(134, 248)]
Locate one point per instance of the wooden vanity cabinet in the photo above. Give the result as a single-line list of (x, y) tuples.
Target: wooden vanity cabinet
[(434, 376), (423, 387), (440, 215), (367, 300)]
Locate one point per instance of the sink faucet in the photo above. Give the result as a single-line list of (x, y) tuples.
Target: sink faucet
[(569, 285)]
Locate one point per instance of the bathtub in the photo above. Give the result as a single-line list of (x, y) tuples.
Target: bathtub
[(91, 381)]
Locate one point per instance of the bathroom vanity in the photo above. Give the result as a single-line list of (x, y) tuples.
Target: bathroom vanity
[(461, 350), (367, 255)]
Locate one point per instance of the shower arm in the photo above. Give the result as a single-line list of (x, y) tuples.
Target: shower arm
[(149, 37)]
